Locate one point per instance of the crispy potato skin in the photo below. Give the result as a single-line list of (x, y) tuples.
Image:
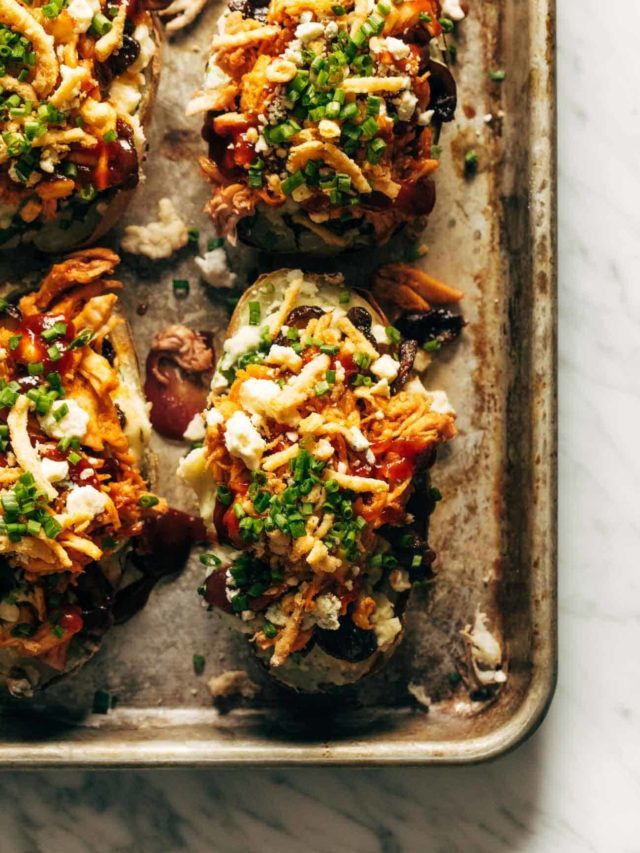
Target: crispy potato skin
[(50, 240), (334, 673)]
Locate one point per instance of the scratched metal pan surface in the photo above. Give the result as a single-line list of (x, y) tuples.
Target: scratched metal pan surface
[(494, 532)]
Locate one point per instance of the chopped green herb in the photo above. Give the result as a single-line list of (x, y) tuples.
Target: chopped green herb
[(254, 313), (180, 288), (148, 501), (198, 664)]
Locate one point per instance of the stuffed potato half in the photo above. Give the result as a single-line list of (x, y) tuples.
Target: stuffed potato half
[(74, 468), (77, 82), (320, 119), (313, 476)]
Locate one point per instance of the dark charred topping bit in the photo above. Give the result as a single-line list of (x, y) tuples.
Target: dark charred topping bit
[(406, 356), (108, 351), (437, 324), (119, 61), (361, 319), (256, 9), (444, 97), (300, 316), (349, 643)]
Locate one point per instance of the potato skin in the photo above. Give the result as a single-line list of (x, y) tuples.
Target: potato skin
[(318, 671), (103, 213), (22, 675)]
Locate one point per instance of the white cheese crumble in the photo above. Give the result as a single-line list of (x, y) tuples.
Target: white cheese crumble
[(245, 339), (193, 470), (82, 12), (385, 367), (323, 449), (329, 129), (386, 624), (85, 500), (55, 470), (453, 10), (396, 47), (379, 334), (213, 418), (73, 424), (357, 439), (309, 31), (195, 431), (147, 48), (157, 239), (125, 97), (326, 611), (214, 269), (331, 30), (284, 356), (424, 119), (440, 403), (244, 441), (406, 105), (258, 395)]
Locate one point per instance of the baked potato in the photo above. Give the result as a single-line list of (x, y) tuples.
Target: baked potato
[(321, 120), (74, 468), (77, 83), (312, 478)]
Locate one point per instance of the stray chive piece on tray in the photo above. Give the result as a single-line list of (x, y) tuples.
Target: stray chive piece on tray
[(198, 664), (180, 288), (498, 75), (103, 701), (471, 161)]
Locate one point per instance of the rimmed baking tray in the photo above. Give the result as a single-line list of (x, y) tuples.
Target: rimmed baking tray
[(495, 532)]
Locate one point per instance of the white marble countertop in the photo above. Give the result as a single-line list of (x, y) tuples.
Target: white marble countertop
[(575, 786)]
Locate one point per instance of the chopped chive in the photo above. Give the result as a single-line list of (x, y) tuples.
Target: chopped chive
[(60, 412), (254, 313), (147, 501), (181, 288), (393, 334)]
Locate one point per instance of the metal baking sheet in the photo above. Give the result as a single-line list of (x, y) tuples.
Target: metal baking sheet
[(495, 532)]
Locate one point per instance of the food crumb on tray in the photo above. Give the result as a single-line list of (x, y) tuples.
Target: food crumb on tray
[(229, 689)]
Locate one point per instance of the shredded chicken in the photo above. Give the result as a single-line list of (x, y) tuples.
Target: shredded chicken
[(186, 348)]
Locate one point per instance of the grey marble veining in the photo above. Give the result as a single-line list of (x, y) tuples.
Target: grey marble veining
[(576, 785)]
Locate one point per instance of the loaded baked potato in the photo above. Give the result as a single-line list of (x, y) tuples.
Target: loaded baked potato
[(74, 468), (321, 119), (77, 81), (312, 476)]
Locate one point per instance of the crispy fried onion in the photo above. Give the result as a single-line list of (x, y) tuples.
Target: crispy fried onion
[(185, 12), (25, 90), (21, 20), (212, 99), (185, 347), (112, 41), (412, 288), (25, 453), (244, 38), (300, 155)]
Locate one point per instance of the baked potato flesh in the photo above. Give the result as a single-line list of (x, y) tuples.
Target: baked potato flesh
[(73, 467), (313, 472)]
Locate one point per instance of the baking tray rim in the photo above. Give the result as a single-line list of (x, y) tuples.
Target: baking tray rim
[(161, 751)]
